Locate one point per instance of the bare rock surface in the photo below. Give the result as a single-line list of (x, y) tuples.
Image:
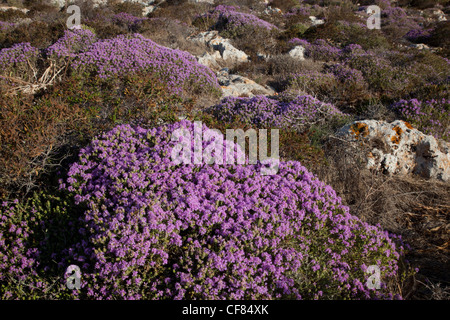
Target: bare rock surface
[(223, 46), (5, 8), (398, 148), (239, 86), (298, 52)]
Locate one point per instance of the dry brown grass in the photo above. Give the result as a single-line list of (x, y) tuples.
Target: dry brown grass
[(415, 208), (171, 33), (29, 135)]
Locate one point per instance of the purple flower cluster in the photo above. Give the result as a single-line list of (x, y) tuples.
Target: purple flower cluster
[(18, 258), (4, 26), (431, 117), (299, 42), (127, 19), (72, 43), (353, 49), (229, 18), (321, 50), (155, 230), (346, 75), (126, 54), (263, 111), (398, 18), (297, 11), (416, 35), (18, 59), (17, 54)]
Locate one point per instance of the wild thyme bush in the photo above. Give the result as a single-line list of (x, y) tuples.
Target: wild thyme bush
[(431, 117), (153, 229), (261, 111), (17, 256), (321, 50), (351, 85), (19, 61), (127, 54), (397, 23), (73, 42), (4, 26), (233, 23), (298, 42), (143, 227)]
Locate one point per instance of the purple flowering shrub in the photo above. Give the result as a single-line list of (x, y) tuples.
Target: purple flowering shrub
[(19, 61), (126, 54), (153, 229), (321, 50), (431, 117), (72, 43), (351, 83), (297, 12), (233, 23), (418, 35), (397, 23), (299, 42), (17, 256), (346, 74), (127, 20), (5, 26), (262, 111)]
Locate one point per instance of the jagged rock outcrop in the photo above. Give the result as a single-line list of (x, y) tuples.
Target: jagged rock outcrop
[(239, 86), (210, 60), (298, 52), (223, 46), (315, 21), (420, 46), (398, 148)]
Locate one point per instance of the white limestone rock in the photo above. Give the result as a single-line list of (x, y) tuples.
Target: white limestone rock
[(227, 51), (398, 148), (239, 86), (315, 21), (24, 10), (298, 52), (210, 60)]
